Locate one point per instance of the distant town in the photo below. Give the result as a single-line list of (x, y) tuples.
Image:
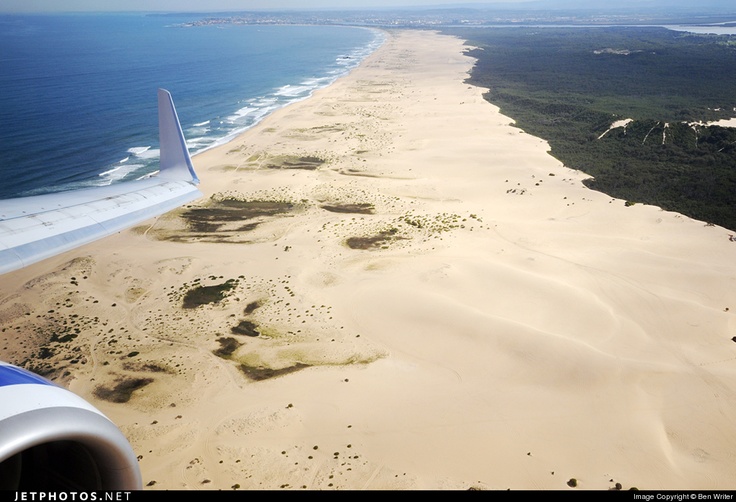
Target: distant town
[(457, 17)]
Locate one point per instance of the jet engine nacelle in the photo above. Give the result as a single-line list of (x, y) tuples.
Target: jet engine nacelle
[(51, 439)]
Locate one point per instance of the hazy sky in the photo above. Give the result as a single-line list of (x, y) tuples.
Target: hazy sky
[(236, 5), (217, 5)]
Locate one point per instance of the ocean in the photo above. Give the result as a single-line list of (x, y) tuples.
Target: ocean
[(78, 92)]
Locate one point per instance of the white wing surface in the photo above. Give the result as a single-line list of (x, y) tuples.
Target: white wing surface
[(38, 227)]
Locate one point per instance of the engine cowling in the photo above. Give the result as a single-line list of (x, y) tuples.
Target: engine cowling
[(52, 439)]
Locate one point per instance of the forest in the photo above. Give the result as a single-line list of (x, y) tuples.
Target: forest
[(569, 85)]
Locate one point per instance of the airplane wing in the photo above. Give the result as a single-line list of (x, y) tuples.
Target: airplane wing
[(50, 438), (38, 227)]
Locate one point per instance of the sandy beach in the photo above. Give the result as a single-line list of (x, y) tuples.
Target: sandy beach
[(389, 286)]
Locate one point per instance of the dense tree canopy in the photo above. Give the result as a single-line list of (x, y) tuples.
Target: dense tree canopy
[(569, 85)]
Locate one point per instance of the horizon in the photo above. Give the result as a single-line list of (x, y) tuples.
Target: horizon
[(198, 7)]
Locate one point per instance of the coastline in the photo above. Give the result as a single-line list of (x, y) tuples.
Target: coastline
[(117, 148), (449, 307), (259, 114)]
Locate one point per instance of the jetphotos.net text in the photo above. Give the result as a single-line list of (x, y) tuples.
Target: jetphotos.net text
[(107, 496)]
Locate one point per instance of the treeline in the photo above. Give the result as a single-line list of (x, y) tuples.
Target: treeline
[(568, 85)]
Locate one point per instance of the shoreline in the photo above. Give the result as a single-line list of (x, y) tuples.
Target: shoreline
[(206, 123), (439, 303), (235, 133)]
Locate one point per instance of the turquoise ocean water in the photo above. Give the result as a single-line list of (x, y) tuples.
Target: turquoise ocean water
[(78, 92)]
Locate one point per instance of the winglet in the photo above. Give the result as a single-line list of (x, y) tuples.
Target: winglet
[(37, 227), (175, 163)]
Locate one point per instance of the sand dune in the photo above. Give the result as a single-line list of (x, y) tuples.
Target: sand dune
[(438, 303)]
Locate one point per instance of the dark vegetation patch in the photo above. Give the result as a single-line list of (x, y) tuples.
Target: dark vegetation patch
[(251, 307), (260, 373), (307, 162), (372, 242), (232, 214), (568, 85), (148, 367), (40, 368), (246, 328), (227, 347), (63, 338), (362, 208), (203, 295), (123, 389)]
